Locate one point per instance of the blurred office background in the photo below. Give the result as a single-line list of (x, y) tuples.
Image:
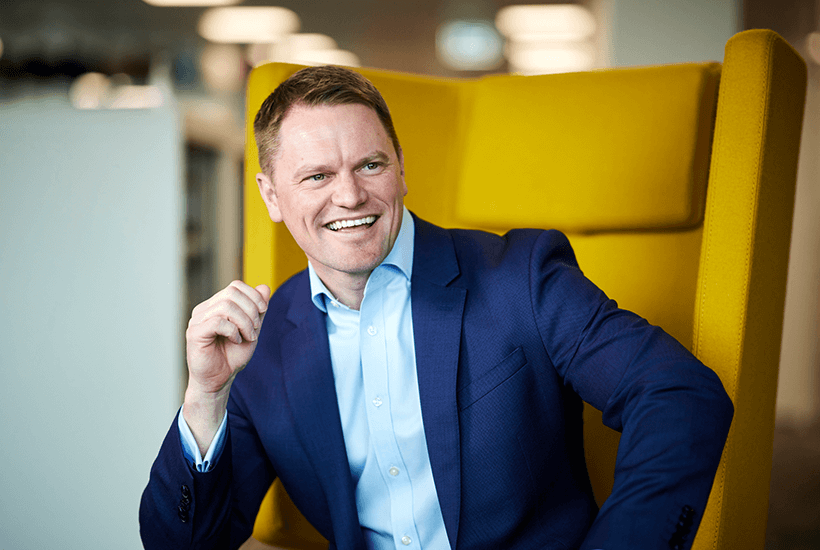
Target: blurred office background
[(121, 143)]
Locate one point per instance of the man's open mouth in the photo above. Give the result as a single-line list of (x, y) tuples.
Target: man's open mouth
[(342, 224)]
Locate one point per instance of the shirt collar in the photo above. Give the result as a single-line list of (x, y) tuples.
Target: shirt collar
[(401, 256)]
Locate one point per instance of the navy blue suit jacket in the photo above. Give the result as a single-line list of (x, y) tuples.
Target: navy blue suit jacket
[(510, 338)]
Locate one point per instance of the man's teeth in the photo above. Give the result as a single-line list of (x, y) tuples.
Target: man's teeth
[(335, 226)]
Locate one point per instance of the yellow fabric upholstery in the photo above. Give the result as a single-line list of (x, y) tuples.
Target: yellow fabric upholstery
[(618, 160), (592, 178)]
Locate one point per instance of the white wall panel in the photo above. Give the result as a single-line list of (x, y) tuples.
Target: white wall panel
[(90, 328)]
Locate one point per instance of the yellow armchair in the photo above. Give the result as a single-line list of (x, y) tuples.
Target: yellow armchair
[(675, 185)]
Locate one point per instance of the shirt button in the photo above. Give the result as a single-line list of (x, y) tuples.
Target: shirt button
[(405, 540), (371, 330), (378, 402), (393, 471)]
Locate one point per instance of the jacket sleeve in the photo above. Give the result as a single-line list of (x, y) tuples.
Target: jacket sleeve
[(672, 411), (184, 508)]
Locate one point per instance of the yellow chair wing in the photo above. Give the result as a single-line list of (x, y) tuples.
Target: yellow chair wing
[(742, 283)]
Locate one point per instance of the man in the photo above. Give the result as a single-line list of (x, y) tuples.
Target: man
[(420, 387)]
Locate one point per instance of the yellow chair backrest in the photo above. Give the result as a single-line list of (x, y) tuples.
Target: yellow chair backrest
[(675, 185)]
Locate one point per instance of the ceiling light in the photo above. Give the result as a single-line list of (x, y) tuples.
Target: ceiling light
[(222, 67), (303, 49), (257, 54), (293, 45), (97, 91), (469, 45), (88, 91), (549, 57), (327, 57), (556, 21), (248, 24), (308, 41), (136, 97)]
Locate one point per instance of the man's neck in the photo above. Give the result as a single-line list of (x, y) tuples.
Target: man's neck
[(347, 288)]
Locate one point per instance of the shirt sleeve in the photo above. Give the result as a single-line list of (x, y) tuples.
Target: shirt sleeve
[(191, 450)]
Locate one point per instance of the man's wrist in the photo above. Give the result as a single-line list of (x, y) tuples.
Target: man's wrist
[(204, 413), (190, 447)]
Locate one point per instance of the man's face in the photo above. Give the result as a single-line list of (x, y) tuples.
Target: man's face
[(338, 184)]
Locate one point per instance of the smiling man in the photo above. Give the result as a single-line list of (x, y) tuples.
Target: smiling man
[(418, 387)]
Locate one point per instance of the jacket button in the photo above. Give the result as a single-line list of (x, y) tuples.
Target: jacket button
[(185, 491)]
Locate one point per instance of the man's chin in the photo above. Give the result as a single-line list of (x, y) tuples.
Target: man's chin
[(353, 263), (362, 266)]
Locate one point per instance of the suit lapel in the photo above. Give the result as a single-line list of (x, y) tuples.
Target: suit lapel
[(311, 392), (437, 319)]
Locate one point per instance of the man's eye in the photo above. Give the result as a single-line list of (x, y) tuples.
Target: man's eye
[(317, 177), (371, 166)]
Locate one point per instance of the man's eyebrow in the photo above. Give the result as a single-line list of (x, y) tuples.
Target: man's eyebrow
[(311, 169), (380, 156)]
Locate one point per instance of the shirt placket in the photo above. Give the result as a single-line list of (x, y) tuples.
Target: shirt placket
[(376, 375)]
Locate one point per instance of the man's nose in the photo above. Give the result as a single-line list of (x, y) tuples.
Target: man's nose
[(348, 191)]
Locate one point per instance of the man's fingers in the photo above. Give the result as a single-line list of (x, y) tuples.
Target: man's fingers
[(238, 293), (227, 329), (238, 304), (232, 312), (206, 331), (265, 292), (259, 295), (248, 304), (253, 300)]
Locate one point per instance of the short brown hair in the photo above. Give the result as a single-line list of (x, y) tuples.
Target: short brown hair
[(311, 87)]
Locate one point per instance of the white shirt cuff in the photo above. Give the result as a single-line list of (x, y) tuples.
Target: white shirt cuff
[(191, 449)]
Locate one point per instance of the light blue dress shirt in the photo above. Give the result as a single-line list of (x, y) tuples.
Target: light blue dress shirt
[(374, 367)]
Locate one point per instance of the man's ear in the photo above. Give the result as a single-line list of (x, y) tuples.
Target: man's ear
[(268, 193), (401, 170)]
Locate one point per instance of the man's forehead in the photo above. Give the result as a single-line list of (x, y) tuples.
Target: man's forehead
[(330, 122), (325, 110), (325, 137)]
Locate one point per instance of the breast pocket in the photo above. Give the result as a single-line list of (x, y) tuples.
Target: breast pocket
[(490, 380)]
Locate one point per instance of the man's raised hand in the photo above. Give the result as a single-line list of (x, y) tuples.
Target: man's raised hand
[(221, 338)]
